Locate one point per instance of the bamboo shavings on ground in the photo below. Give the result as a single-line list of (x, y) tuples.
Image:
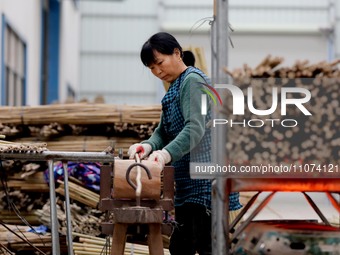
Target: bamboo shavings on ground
[(89, 245)]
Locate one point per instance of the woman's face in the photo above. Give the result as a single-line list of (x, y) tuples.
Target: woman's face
[(166, 67)]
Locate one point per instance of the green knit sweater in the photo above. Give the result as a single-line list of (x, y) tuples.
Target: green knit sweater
[(192, 133)]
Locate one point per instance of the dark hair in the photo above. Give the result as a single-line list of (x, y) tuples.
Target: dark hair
[(162, 42), (188, 58)]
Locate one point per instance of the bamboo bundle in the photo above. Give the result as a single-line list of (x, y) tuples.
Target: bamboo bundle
[(18, 238), (52, 131), (89, 245), (314, 138), (9, 129), (79, 113), (87, 143), (8, 237), (85, 220), (25, 202), (32, 187), (6, 146), (9, 217), (79, 194), (28, 180), (43, 243)]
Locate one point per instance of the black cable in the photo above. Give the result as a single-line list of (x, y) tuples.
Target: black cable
[(23, 239), (12, 206)]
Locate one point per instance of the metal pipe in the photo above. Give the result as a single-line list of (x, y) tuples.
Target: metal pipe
[(53, 211), (219, 60), (68, 211), (61, 156), (316, 209)]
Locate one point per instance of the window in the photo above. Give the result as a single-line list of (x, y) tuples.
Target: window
[(14, 63)]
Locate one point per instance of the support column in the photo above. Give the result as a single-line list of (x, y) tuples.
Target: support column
[(219, 60)]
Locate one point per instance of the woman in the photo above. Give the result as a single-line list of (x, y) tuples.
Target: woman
[(181, 137)]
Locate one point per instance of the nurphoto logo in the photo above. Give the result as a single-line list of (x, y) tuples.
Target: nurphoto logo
[(301, 96), (212, 93)]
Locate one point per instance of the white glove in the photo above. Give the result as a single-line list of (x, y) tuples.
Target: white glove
[(143, 150), (162, 157)]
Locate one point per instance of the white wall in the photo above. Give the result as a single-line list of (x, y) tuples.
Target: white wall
[(294, 30), (337, 28), (69, 49), (112, 35), (113, 32), (24, 17)]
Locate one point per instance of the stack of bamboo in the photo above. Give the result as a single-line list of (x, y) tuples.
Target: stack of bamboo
[(15, 238), (65, 127), (313, 138), (6, 146), (79, 113), (79, 193), (87, 143), (85, 220), (89, 245), (79, 126)]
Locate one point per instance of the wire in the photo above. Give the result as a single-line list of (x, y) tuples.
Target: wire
[(202, 20), (23, 239), (6, 249), (12, 206)]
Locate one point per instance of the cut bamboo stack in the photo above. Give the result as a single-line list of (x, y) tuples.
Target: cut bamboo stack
[(89, 245), (7, 146), (79, 113), (315, 138), (87, 143), (79, 193), (21, 238)]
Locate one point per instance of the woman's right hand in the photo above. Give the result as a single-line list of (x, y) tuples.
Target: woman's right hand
[(143, 150)]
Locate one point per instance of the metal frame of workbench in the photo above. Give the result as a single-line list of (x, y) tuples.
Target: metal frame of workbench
[(50, 157)]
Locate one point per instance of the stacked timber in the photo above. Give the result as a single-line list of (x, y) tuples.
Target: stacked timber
[(296, 136)]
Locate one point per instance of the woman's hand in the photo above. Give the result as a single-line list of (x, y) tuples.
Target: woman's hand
[(143, 150), (162, 157)]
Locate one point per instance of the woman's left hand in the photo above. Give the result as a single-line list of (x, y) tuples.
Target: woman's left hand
[(162, 157)]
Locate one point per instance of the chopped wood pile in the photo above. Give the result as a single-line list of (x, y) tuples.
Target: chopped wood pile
[(79, 113), (294, 137)]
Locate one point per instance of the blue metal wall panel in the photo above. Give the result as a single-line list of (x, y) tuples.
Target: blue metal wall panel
[(3, 70), (53, 51)]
